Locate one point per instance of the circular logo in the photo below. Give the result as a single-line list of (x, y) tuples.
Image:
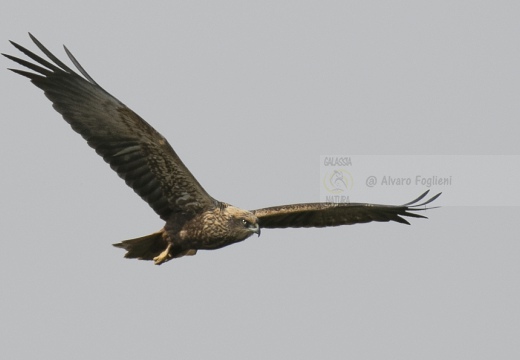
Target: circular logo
[(338, 181)]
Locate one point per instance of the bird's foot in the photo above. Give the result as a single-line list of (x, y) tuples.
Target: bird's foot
[(164, 256)]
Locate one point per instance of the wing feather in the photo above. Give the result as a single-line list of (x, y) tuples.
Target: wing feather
[(135, 150), (333, 214)]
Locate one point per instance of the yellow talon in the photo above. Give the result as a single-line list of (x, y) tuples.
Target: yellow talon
[(164, 256)]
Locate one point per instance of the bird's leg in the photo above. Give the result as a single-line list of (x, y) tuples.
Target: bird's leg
[(164, 256)]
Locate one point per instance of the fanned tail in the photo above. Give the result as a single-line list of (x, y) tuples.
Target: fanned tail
[(144, 248)]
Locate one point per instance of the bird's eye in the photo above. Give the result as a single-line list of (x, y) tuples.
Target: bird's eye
[(245, 222)]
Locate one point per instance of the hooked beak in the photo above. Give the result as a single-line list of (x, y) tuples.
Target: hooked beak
[(256, 229)]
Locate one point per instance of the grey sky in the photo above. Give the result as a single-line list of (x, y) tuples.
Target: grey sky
[(250, 95)]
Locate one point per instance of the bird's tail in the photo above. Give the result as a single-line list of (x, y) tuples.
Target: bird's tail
[(144, 248)]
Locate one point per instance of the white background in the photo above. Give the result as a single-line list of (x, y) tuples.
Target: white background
[(250, 94)]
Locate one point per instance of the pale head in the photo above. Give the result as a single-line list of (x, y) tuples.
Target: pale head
[(241, 223)]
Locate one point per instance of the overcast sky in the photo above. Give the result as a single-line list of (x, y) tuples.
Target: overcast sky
[(250, 95)]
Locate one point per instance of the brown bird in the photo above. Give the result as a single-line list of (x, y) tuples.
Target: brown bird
[(149, 165)]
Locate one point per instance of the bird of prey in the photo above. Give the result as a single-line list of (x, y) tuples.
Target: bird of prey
[(149, 165)]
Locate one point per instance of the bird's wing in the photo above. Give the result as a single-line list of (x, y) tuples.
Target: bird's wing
[(135, 150), (335, 214)]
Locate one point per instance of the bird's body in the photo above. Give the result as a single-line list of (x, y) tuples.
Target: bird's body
[(148, 164)]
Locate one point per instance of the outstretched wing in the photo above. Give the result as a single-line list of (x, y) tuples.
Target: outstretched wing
[(335, 214), (138, 153)]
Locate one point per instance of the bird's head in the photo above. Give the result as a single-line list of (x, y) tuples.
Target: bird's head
[(241, 223)]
